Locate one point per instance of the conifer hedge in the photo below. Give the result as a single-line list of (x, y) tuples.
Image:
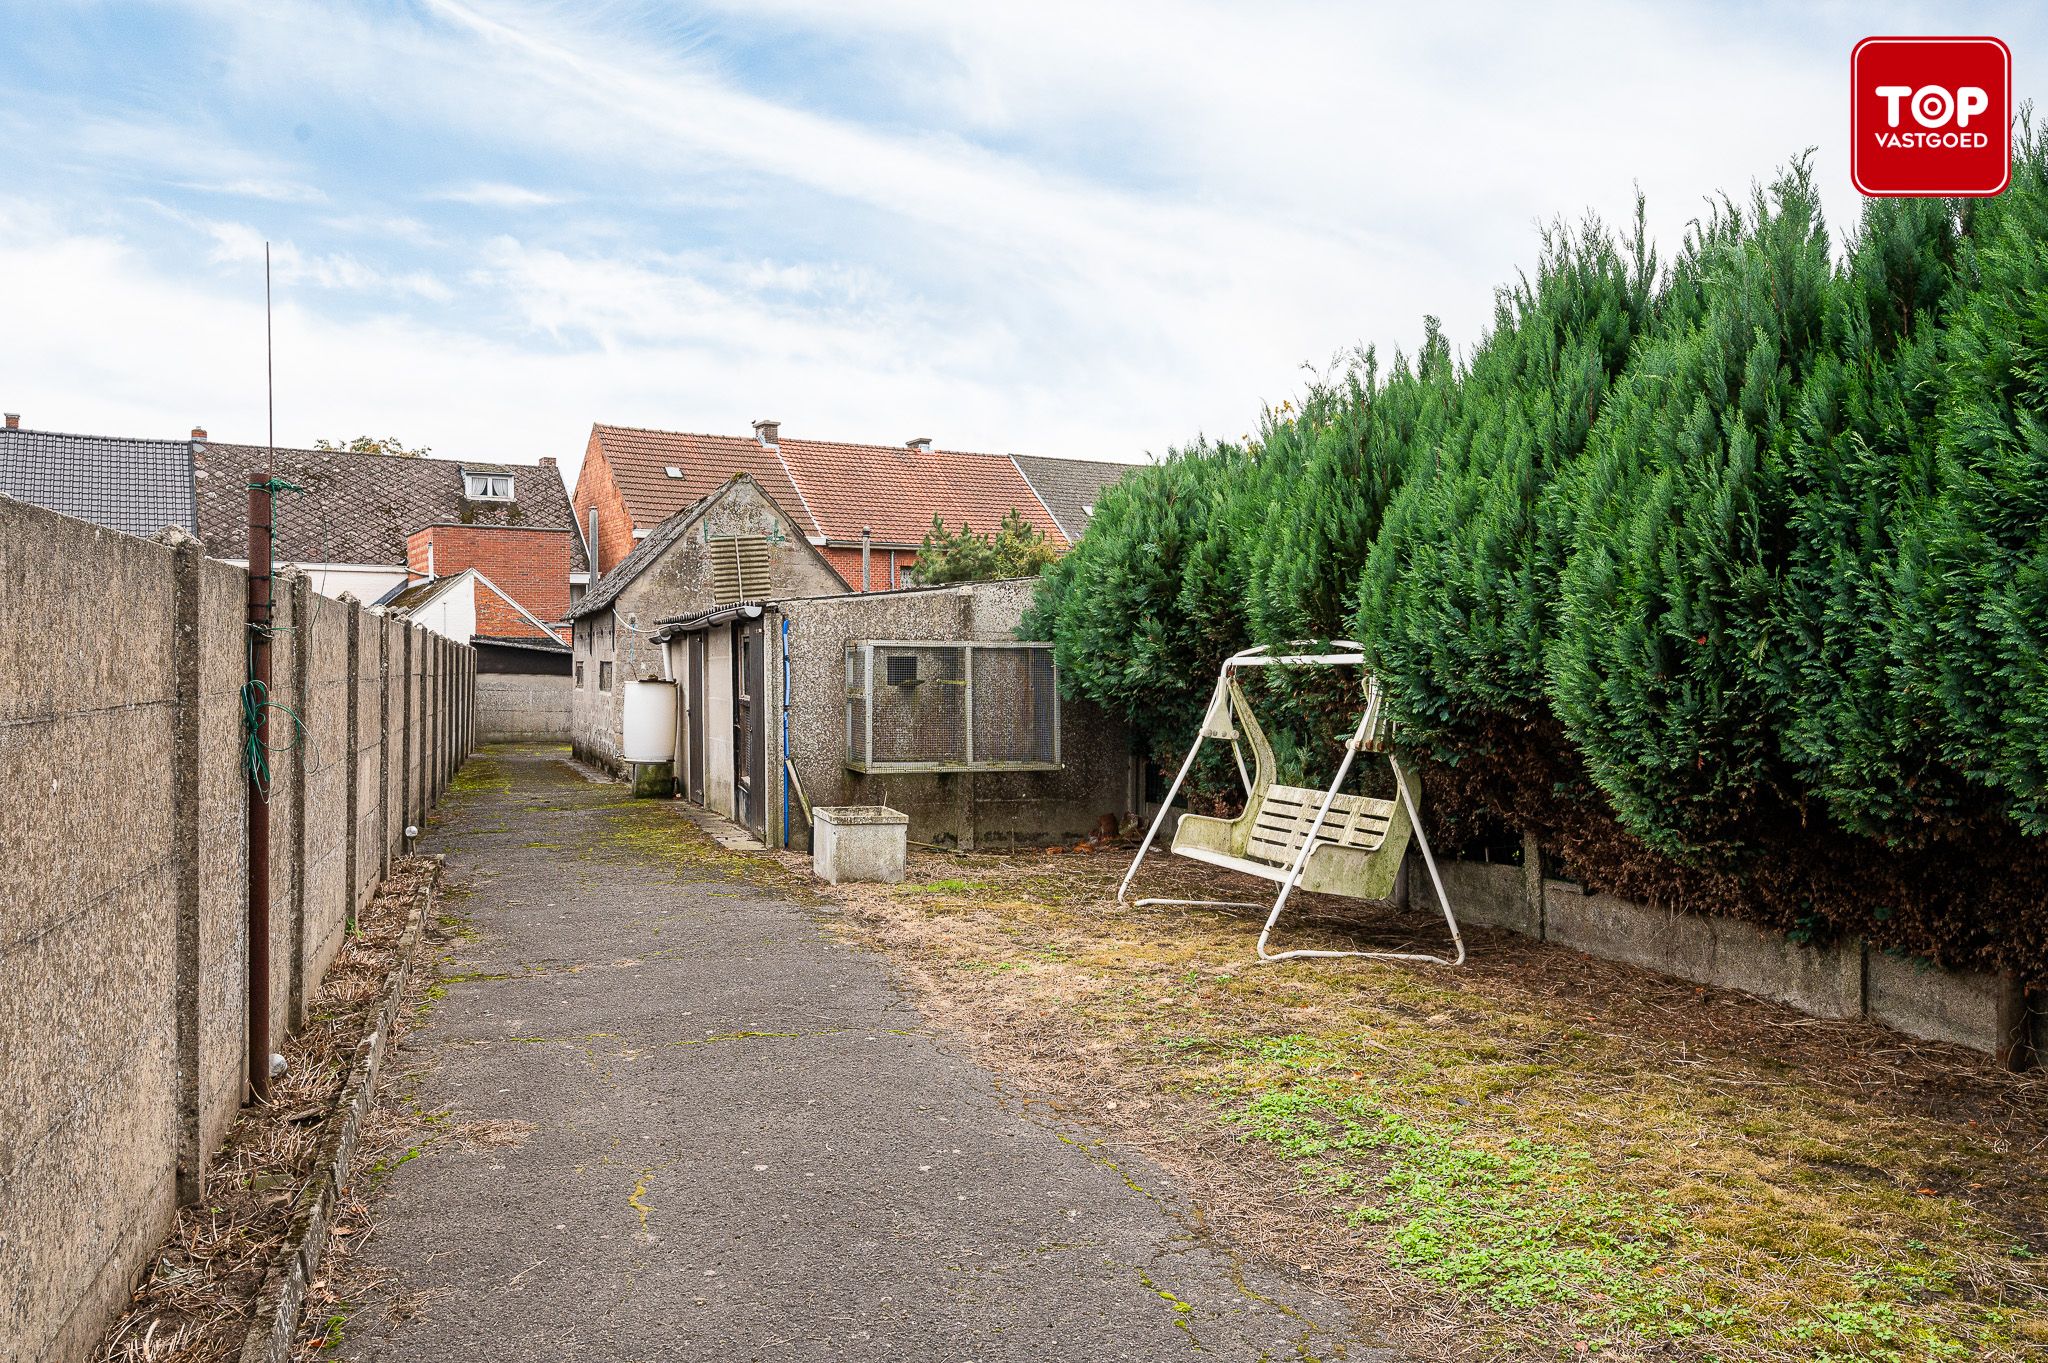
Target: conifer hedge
[(1728, 579)]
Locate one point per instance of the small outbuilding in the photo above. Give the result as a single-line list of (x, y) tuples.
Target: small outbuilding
[(733, 544), (924, 700)]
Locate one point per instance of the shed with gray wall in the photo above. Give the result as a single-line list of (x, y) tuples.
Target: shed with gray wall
[(672, 577), (971, 809)]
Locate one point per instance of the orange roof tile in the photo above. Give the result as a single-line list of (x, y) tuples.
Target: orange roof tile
[(640, 461), (895, 490), (832, 486)]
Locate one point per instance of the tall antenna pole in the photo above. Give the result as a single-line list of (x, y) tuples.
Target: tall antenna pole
[(255, 704)]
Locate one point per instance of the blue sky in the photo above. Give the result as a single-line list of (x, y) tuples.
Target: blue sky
[(1083, 229)]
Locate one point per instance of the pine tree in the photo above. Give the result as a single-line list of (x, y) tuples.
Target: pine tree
[(1016, 548)]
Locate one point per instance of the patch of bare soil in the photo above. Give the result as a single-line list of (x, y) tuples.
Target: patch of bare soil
[(195, 1304)]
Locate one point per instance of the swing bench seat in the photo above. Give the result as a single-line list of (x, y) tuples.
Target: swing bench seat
[(1358, 849), (1360, 842)]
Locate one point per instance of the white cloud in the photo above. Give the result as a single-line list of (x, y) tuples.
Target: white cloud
[(188, 157), (1067, 228), (239, 244), (486, 194)]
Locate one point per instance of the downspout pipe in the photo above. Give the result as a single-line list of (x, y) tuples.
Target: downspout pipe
[(867, 540)]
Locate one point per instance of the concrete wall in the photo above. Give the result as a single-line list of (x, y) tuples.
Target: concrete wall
[(678, 584), (521, 707), (123, 892), (967, 809), (1844, 979)]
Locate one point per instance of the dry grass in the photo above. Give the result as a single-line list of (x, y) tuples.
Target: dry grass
[(195, 1305), (1538, 1155)]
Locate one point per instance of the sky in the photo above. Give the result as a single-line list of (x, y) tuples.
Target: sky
[(1095, 230)]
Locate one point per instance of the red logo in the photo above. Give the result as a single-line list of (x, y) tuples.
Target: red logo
[(1930, 117)]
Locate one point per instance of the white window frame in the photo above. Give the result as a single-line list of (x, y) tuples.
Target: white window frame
[(477, 487)]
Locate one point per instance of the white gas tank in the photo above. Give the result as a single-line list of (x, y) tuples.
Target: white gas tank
[(650, 721)]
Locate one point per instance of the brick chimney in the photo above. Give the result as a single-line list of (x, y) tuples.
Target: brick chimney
[(921, 443), (14, 421), (769, 433), (199, 433)]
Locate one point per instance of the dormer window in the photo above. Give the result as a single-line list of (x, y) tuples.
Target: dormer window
[(488, 487)]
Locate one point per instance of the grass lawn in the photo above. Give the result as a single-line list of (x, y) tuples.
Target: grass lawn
[(1537, 1156)]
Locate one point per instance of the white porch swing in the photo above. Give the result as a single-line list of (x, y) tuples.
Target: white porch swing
[(1318, 840)]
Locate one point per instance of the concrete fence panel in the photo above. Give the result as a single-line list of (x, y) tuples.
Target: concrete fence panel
[(123, 894), (89, 894)]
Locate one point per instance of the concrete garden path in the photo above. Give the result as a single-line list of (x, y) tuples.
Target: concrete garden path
[(744, 1144)]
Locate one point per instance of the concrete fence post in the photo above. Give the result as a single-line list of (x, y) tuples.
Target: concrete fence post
[(1532, 884), (2013, 1024), (298, 848), (187, 555), (405, 733), (439, 657), (352, 755), (383, 747)]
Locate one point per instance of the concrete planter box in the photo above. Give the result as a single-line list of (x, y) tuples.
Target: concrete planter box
[(859, 842)]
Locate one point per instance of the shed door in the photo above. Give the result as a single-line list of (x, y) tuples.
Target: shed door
[(694, 725), (749, 748)]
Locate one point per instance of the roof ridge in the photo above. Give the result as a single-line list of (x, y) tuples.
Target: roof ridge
[(798, 489), (794, 439), (80, 435), (416, 460), (1039, 497)]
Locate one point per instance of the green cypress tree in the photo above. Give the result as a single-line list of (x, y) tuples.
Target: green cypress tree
[(1678, 531), (1984, 588), (1113, 605), (1454, 602), (1861, 719), (1352, 446)]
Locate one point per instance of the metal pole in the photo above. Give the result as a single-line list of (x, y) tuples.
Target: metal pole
[(260, 616)]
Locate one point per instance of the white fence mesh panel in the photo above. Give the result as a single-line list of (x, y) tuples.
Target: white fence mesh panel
[(951, 706)]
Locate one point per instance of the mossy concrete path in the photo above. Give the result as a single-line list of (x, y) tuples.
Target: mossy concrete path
[(685, 1122)]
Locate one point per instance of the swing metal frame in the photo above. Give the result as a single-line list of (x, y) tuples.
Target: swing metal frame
[(1226, 704)]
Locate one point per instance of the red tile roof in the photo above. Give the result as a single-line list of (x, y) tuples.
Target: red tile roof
[(640, 460), (834, 487)]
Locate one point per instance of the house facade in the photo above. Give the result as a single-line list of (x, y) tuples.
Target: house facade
[(735, 542), (865, 508)]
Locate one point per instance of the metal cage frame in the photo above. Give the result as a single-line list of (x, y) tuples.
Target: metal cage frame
[(860, 700)]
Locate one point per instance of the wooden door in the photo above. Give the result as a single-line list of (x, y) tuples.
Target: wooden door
[(749, 729), (694, 721)]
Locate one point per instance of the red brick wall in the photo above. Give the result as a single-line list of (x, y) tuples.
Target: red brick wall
[(530, 565), (595, 486), (846, 562), (497, 618)]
